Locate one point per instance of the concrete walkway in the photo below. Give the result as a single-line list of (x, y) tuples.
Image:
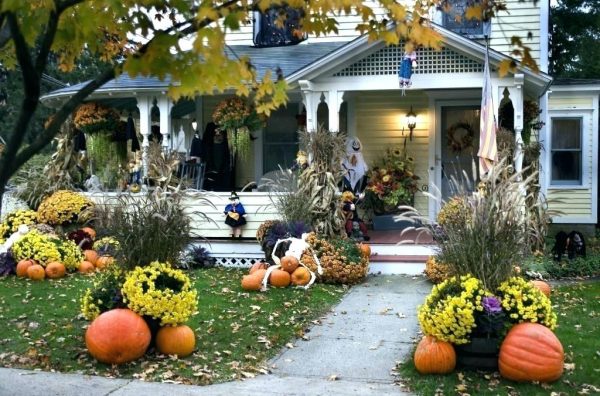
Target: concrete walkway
[(351, 352)]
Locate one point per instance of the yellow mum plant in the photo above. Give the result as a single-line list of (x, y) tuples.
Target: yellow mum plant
[(523, 302), (160, 291), (449, 311), (44, 249), (104, 294), (64, 207)]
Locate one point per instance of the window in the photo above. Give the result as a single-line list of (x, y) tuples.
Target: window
[(279, 25), (454, 19), (566, 155)]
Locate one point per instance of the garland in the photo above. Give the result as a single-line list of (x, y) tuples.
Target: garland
[(460, 143)]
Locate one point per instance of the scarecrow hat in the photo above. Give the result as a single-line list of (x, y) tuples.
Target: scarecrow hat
[(233, 196)]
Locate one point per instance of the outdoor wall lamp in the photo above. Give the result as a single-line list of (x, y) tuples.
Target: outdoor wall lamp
[(194, 125), (411, 121)]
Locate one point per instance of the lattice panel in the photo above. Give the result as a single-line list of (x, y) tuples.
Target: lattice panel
[(386, 60), (237, 262)]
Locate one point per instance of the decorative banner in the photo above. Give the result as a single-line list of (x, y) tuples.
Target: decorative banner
[(488, 150)]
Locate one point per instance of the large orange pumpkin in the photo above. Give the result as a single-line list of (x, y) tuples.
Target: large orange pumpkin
[(55, 270), (365, 250), (90, 255), (36, 272), (301, 276), (179, 340), (434, 357), (257, 266), (118, 336), (22, 267), (91, 232), (104, 261), (531, 352), (251, 282), (280, 278), (543, 286), (85, 267), (289, 264)]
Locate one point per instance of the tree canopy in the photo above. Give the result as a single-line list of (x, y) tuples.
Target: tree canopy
[(143, 37)]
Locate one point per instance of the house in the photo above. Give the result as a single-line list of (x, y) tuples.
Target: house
[(348, 83)]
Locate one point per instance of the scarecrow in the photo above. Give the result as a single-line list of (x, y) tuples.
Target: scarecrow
[(235, 215)]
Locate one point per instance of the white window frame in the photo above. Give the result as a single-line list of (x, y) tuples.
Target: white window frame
[(584, 117)]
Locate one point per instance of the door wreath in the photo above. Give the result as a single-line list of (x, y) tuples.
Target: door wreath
[(459, 141)]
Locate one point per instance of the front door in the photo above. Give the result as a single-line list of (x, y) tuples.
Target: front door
[(459, 145)]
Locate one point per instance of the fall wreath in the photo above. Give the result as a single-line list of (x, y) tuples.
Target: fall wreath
[(460, 136)]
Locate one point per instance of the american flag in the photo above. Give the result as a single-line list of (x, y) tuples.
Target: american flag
[(488, 151)]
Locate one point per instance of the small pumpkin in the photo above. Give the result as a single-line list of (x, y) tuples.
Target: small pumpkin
[(117, 336), (280, 278), (85, 267), (260, 273), (289, 264), (104, 261), (90, 255), (90, 231), (36, 272), (251, 282), (55, 270), (301, 276), (531, 352), (257, 266), (543, 286), (178, 340), (22, 267), (365, 250), (433, 356)]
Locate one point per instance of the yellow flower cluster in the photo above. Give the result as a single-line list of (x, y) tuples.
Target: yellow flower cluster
[(104, 294), (523, 302), (454, 212), (70, 254), (107, 246), (449, 311), (64, 207), (36, 246), (14, 219), (160, 291)]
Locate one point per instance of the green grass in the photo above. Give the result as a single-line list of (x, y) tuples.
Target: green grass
[(578, 309), (236, 331)]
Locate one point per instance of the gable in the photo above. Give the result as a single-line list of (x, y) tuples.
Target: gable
[(386, 60)]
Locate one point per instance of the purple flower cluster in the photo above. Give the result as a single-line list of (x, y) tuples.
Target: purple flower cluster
[(491, 305)]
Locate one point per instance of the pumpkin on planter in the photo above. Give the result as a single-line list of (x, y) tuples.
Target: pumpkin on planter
[(36, 272), (90, 255), (85, 267), (543, 286), (22, 267), (434, 357), (531, 352), (279, 278), (178, 340), (300, 277), (251, 282), (258, 266), (55, 270), (117, 336), (289, 264)]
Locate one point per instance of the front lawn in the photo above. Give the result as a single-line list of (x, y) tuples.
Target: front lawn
[(578, 309), (236, 331)]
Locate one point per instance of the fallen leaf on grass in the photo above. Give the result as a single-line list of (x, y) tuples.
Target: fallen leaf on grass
[(333, 377), (569, 366)]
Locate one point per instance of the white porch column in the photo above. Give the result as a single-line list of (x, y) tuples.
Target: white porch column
[(144, 104), (334, 101), (311, 102), (517, 99), (164, 105)]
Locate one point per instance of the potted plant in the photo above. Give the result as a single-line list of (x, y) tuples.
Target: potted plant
[(239, 119)]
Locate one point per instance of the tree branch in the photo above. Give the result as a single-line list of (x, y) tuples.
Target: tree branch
[(47, 40)]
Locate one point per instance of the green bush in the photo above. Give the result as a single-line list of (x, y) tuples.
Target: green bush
[(548, 268)]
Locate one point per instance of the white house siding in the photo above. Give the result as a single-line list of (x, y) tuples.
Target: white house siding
[(380, 120), (576, 205)]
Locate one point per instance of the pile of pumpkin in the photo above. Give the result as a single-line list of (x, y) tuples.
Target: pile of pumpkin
[(529, 352), (289, 272)]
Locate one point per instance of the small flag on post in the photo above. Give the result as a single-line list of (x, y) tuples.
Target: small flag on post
[(488, 150)]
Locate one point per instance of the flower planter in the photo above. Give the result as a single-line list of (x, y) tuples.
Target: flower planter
[(479, 354)]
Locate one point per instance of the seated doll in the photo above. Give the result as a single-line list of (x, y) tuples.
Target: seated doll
[(235, 215), (355, 227)]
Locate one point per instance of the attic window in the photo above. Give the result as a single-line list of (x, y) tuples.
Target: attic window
[(268, 30), (454, 19)]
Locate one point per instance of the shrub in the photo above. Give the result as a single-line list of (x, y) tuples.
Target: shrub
[(65, 207), (197, 257)]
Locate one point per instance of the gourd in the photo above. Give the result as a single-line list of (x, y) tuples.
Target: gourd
[(543, 286), (289, 264), (36, 272), (178, 340), (280, 278), (257, 266), (90, 255), (91, 232), (251, 282), (104, 261), (55, 270), (117, 336), (85, 267), (434, 357), (301, 276), (22, 267), (531, 352)]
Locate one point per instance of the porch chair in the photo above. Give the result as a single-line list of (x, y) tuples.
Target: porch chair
[(195, 173)]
